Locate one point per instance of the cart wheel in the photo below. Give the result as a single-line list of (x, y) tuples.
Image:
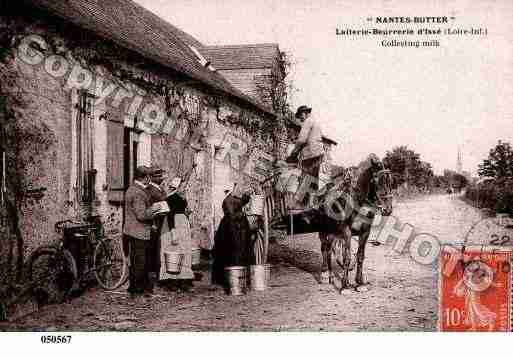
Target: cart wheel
[(54, 271), (110, 267)]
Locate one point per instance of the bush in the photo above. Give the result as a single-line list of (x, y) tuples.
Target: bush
[(497, 195)]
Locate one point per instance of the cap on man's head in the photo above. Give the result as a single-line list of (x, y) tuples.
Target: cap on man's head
[(142, 171), (157, 172), (301, 109)]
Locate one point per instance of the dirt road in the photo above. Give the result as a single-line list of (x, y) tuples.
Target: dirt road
[(402, 294)]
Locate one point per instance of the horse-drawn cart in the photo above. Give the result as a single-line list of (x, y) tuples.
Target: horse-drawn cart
[(275, 209), (338, 211)]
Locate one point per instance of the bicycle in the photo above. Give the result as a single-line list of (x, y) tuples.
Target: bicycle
[(53, 269)]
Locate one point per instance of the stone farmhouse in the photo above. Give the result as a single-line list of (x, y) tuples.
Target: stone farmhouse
[(92, 89)]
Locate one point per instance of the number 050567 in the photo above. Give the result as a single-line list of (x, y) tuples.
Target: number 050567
[(56, 339)]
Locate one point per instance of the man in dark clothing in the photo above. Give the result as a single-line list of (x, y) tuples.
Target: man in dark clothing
[(232, 239), (137, 232)]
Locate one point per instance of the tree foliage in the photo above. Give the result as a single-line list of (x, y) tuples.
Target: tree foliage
[(499, 163), (274, 88), (407, 167), (454, 179), (495, 191)]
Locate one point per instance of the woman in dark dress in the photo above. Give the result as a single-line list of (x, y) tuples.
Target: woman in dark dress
[(177, 205), (232, 239)]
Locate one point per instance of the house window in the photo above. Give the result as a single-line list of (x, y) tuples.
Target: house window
[(131, 145), (122, 157)]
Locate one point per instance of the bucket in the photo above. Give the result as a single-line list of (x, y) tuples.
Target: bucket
[(289, 179), (254, 222), (196, 256), (173, 262), (256, 205), (259, 276), (236, 277)]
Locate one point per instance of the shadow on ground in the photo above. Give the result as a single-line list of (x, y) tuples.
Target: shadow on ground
[(306, 260)]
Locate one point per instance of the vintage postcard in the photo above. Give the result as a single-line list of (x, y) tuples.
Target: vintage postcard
[(255, 166)]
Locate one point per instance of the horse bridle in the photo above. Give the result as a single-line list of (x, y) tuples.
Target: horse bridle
[(383, 184)]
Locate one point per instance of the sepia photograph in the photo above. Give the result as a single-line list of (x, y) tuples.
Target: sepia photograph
[(295, 166)]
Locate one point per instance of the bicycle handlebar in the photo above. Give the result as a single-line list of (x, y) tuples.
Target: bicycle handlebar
[(59, 226)]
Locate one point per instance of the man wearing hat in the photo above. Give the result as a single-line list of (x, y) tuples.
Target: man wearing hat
[(137, 232), (309, 144)]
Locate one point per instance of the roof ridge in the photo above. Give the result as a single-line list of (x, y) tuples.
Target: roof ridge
[(132, 26), (268, 44), (162, 20)]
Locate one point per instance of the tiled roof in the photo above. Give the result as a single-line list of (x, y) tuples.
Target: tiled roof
[(188, 38), (256, 56), (133, 27)]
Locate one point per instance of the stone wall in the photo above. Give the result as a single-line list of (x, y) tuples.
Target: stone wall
[(221, 124)]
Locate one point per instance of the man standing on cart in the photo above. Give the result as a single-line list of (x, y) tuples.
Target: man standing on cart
[(309, 145)]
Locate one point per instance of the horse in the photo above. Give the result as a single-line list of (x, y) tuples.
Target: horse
[(355, 199)]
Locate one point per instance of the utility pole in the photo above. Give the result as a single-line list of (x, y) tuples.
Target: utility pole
[(406, 170)]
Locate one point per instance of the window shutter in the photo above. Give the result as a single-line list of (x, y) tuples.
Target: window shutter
[(115, 160)]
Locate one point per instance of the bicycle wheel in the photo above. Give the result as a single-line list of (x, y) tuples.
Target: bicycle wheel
[(53, 271), (110, 267)]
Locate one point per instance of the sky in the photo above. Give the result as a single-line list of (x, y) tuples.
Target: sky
[(371, 98)]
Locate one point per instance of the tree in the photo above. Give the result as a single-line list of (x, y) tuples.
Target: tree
[(274, 88), (407, 167), (499, 163)]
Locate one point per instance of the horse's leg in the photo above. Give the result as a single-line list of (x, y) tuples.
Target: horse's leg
[(360, 256), (325, 250), (330, 239), (346, 254)]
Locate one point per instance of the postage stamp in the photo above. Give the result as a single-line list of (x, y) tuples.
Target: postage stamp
[(475, 289)]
